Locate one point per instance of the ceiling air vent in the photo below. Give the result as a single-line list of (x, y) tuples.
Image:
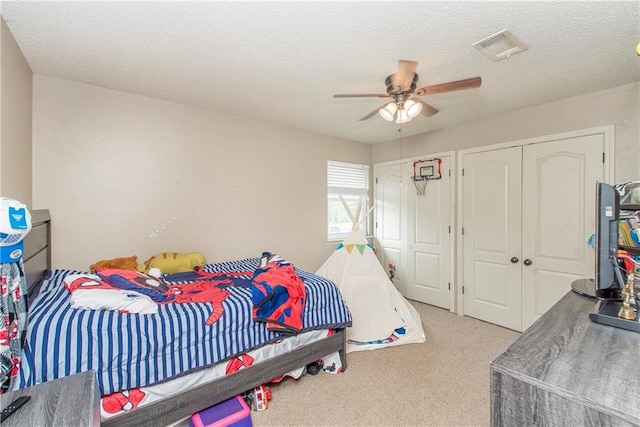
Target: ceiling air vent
[(500, 46)]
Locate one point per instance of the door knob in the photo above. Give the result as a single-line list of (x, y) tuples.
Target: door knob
[(527, 262), (515, 260)]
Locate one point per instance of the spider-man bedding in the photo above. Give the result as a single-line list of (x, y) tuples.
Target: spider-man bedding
[(197, 321)]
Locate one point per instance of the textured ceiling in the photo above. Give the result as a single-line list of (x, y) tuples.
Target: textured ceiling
[(281, 62)]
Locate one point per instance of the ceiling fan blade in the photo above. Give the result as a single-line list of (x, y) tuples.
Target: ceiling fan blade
[(427, 110), (360, 95), (403, 78), (471, 83), (371, 114), (410, 66)]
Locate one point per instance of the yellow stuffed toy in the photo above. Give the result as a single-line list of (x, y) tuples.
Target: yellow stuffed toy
[(126, 263), (172, 262)]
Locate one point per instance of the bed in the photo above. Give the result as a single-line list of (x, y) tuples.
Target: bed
[(165, 411)]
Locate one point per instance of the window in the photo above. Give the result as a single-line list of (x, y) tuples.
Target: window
[(351, 181)]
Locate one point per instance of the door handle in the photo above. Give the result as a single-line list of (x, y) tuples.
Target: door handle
[(527, 262), (515, 260)]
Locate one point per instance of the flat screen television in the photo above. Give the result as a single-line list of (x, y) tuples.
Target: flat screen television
[(607, 278), (607, 282)]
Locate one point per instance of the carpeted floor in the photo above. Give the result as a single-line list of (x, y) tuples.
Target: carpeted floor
[(441, 382)]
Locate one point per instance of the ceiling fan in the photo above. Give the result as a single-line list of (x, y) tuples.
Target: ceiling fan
[(401, 87)]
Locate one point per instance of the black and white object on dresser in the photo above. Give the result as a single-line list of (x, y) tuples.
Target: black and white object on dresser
[(13, 407)]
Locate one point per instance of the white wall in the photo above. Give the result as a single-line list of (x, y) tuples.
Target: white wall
[(15, 120), (619, 106), (129, 175)]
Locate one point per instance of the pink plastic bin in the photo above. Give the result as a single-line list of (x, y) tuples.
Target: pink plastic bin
[(230, 413)]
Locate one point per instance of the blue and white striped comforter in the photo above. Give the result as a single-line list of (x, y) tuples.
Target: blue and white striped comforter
[(133, 350)]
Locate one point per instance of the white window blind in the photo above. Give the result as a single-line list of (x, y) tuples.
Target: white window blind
[(351, 181), (348, 177)]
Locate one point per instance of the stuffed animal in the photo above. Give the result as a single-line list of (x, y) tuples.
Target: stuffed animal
[(126, 263), (172, 262)]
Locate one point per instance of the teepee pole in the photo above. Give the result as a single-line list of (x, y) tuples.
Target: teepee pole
[(353, 224), (363, 218), (346, 207)]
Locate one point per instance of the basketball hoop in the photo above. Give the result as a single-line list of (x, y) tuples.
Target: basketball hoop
[(420, 183), (424, 171)]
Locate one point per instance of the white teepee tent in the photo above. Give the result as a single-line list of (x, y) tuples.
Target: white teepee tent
[(381, 316)]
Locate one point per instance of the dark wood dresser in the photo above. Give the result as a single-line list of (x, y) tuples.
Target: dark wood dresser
[(69, 401), (566, 370)]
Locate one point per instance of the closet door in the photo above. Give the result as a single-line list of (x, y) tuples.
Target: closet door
[(491, 217), (558, 215), (429, 239), (389, 224)]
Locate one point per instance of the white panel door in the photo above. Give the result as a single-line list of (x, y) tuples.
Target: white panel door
[(429, 240), (388, 219), (491, 218), (558, 216)]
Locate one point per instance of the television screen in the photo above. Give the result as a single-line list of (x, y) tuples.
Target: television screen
[(607, 208)]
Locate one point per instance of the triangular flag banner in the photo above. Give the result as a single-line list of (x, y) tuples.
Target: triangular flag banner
[(361, 248), (340, 246), (349, 248)]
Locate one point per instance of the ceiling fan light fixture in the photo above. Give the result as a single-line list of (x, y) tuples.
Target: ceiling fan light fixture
[(389, 111), (412, 108), (403, 117)]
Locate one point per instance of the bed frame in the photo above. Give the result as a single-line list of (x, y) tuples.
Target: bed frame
[(37, 262)]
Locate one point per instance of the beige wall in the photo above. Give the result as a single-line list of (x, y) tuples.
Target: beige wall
[(15, 120), (129, 175), (125, 174), (619, 106)]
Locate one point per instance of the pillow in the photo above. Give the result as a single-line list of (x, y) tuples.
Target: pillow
[(129, 280), (88, 292)]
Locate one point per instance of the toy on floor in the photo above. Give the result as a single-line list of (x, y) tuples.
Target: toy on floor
[(233, 412), (314, 368), (259, 398), (172, 262), (125, 263)]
